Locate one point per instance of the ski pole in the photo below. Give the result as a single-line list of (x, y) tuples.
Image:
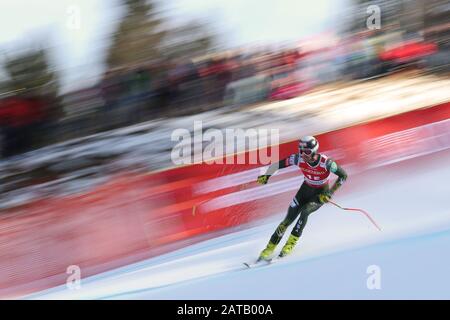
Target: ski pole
[(359, 210)]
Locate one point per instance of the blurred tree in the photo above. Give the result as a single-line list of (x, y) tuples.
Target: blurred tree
[(31, 71), (34, 85), (138, 37), (191, 39), (141, 37)]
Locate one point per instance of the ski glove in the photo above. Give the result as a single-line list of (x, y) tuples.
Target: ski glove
[(263, 179), (324, 197)]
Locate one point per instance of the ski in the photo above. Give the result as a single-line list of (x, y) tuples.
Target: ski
[(257, 263), (261, 262)]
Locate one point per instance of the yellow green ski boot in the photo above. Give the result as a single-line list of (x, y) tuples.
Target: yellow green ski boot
[(267, 252), (290, 244)]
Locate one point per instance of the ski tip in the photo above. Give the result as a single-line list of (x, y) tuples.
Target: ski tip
[(258, 262)]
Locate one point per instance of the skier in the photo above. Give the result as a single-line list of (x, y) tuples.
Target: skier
[(313, 193)]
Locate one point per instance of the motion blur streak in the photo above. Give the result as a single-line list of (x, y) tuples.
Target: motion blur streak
[(91, 93)]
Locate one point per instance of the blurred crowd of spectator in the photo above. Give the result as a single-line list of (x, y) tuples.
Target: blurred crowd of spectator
[(234, 78), (175, 87)]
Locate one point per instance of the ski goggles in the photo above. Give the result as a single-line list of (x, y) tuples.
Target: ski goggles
[(308, 152)]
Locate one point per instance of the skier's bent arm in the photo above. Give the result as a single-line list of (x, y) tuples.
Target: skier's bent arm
[(274, 167), (277, 165), (333, 167)]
